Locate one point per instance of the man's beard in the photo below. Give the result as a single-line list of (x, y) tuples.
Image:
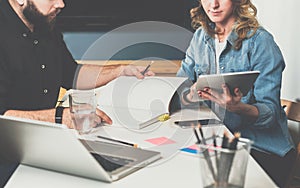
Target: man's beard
[(40, 22)]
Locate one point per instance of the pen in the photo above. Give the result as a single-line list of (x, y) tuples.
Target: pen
[(225, 140), (234, 141), (146, 69), (201, 133), (161, 118), (226, 158), (216, 152), (197, 136), (206, 154), (118, 141)]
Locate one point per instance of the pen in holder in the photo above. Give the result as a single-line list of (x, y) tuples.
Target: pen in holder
[(224, 167), (226, 158)]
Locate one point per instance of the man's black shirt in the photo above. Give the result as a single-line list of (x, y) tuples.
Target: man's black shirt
[(33, 66)]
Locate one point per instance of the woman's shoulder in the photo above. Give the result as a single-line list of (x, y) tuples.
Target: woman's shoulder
[(261, 32), (200, 33)]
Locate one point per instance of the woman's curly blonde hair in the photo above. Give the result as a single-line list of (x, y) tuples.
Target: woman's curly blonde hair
[(244, 12)]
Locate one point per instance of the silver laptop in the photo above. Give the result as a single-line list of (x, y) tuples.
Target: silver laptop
[(53, 147)]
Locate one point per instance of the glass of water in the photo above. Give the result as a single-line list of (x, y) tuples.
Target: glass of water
[(83, 110)]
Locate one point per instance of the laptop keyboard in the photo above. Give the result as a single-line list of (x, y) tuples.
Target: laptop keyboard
[(111, 163)]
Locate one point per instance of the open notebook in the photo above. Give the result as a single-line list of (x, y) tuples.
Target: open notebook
[(130, 101)]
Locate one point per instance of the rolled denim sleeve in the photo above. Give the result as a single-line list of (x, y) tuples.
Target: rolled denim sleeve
[(265, 118), (267, 58)]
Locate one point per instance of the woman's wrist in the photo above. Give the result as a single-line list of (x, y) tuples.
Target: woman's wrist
[(244, 109), (187, 99), (185, 96)]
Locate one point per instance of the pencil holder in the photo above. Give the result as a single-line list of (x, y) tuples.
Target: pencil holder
[(224, 167)]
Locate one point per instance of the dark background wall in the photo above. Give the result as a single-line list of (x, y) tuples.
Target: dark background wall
[(85, 21)]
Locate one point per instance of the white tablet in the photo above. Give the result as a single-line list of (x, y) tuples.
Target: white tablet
[(242, 80)]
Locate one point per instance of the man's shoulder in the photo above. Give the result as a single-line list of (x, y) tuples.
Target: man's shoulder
[(2, 25), (2, 12), (3, 20)]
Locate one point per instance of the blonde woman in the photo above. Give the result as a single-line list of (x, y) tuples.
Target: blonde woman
[(228, 38)]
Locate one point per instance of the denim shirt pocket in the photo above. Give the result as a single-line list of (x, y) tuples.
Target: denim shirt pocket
[(237, 62), (202, 69)]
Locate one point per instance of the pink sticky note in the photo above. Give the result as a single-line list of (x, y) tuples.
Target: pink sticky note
[(160, 141), (194, 147)]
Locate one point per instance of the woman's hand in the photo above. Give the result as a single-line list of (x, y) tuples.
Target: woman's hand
[(225, 99), (188, 96)]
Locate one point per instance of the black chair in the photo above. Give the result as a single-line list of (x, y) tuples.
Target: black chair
[(292, 110)]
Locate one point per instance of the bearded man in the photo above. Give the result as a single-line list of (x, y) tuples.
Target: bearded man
[(35, 63)]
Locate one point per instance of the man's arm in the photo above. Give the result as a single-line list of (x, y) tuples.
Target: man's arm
[(93, 76), (41, 115), (49, 115), (89, 76)]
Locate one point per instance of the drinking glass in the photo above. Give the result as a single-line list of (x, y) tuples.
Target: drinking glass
[(83, 110)]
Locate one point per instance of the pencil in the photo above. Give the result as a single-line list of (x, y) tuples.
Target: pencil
[(206, 154), (118, 141), (223, 162), (201, 133), (233, 143), (147, 68), (216, 153), (197, 136), (225, 140), (226, 158)]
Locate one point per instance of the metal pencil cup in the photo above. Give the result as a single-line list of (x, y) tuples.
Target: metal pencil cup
[(223, 167)]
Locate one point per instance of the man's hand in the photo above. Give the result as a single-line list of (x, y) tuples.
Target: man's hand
[(101, 117), (131, 70)]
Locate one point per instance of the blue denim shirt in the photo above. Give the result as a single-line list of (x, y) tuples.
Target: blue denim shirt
[(259, 52)]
